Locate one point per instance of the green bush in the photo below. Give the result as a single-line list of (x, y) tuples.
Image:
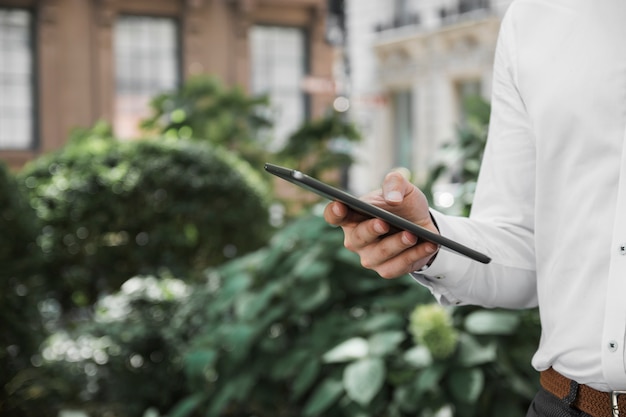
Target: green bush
[(20, 288), (119, 363), (111, 210), (203, 109), (321, 145), (299, 328)]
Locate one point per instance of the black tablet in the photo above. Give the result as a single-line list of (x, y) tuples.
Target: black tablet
[(335, 194)]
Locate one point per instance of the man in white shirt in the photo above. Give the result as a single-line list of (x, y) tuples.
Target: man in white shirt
[(550, 206)]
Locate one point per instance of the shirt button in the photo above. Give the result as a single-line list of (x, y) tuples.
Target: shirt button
[(612, 346), (622, 249), (440, 276)]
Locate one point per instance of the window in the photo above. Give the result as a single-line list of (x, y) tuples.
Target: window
[(402, 102), (146, 64), (17, 107), (278, 66)]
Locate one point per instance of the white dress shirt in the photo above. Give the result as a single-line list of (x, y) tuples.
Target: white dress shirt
[(550, 207)]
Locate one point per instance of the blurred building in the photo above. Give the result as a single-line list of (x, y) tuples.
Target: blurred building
[(410, 63), (70, 63)]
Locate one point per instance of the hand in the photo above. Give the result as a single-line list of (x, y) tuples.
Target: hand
[(396, 254)]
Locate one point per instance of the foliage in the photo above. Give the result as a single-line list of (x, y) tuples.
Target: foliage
[(321, 145), (20, 288), (110, 210), (203, 109), (459, 161), (120, 363), (300, 328), (297, 327)]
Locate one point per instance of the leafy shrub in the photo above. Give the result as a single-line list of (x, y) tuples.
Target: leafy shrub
[(119, 363), (299, 328), (204, 109), (321, 145), (20, 288), (111, 210)]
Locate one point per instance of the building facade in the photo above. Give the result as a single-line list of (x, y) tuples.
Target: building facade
[(69, 63), (411, 63)]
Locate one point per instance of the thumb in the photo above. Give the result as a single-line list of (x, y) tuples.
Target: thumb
[(395, 187)]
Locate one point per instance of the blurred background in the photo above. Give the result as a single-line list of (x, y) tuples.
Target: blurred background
[(149, 267)]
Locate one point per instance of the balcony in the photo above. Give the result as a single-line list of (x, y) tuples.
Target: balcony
[(444, 16), (412, 19), (463, 10)]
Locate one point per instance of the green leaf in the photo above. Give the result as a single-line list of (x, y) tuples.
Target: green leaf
[(196, 363), (237, 339), (311, 295), (472, 353), (466, 385), (381, 322), (187, 406), (325, 396), (305, 378), (351, 349), (248, 306), (405, 399), (363, 379), (290, 364), (243, 384), (384, 343), (224, 396), (312, 265), (485, 322), (237, 282), (428, 379), (419, 357)]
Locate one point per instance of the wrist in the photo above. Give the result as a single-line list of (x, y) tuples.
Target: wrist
[(434, 255)]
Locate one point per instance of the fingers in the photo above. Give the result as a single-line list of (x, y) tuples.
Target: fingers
[(335, 213), (397, 255), (364, 234), (390, 256)]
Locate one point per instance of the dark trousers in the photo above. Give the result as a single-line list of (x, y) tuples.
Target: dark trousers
[(547, 405)]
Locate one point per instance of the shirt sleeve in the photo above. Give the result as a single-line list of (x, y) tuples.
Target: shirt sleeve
[(501, 223)]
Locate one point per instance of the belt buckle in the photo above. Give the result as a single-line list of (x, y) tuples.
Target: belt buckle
[(614, 403)]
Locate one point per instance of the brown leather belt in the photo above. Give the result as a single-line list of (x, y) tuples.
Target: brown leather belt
[(588, 400)]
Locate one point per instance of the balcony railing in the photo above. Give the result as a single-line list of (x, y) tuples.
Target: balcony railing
[(447, 15), (463, 7), (399, 21)]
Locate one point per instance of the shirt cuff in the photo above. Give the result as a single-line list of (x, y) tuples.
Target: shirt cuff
[(447, 270)]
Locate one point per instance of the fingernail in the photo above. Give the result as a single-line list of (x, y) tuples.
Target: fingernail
[(335, 209), (408, 239), (430, 248), (394, 196), (378, 228)]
